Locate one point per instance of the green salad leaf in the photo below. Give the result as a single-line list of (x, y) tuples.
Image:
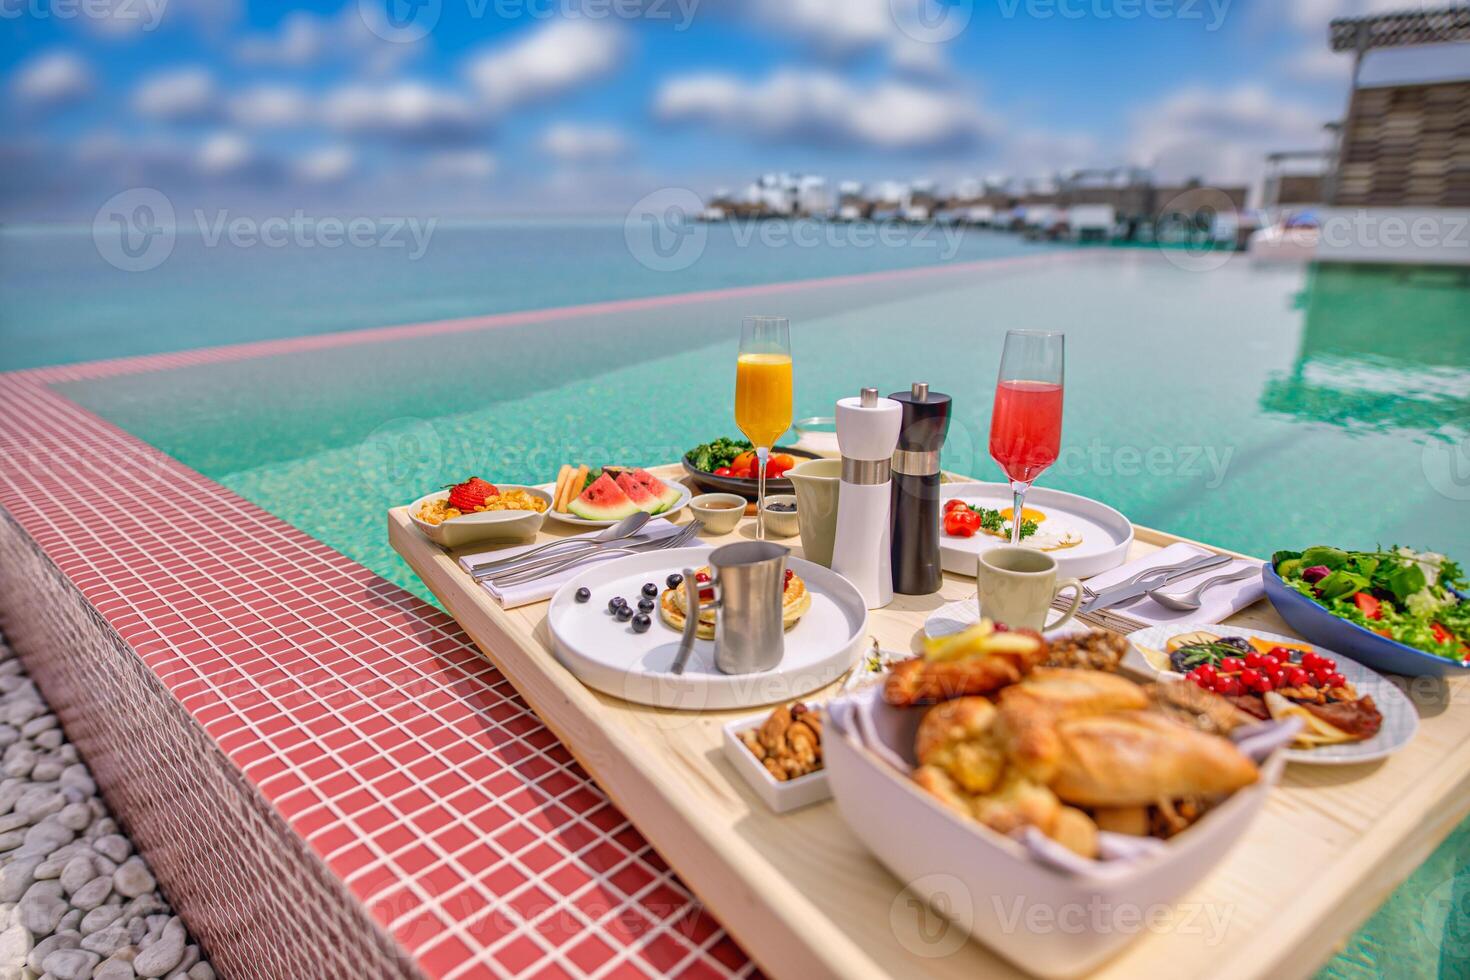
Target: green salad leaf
[(1408, 596), (710, 456)]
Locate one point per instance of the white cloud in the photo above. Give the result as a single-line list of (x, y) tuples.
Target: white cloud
[(52, 80), (326, 165), (1314, 15), (300, 41), (554, 59), (410, 112), (178, 95), (574, 143), (304, 39), (1316, 62), (1221, 135), (460, 165), (270, 106), (823, 108), (840, 26), (224, 154)]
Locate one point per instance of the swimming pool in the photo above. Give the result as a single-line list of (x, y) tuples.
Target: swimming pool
[(1251, 407)]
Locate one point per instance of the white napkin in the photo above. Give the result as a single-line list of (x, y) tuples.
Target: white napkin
[(1216, 604), (544, 588)]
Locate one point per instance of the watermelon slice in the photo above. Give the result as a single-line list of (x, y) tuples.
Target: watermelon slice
[(604, 500), (639, 494), (667, 496)]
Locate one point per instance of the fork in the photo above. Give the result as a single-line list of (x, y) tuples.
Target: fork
[(1090, 593), (675, 540)]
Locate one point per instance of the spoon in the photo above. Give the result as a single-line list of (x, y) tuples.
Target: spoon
[(625, 528), (1189, 601)]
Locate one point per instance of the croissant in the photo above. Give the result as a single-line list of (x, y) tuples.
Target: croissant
[(998, 659), (1134, 758), (953, 736), (1029, 712)]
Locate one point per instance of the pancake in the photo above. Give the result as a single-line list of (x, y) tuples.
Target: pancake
[(673, 607)]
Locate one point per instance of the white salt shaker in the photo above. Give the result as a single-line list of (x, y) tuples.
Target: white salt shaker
[(867, 433)]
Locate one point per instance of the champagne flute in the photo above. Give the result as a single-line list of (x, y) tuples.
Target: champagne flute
[(763, 394), (1026, 422)]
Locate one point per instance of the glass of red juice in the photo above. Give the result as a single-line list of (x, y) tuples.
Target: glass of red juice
[(1026, 422)]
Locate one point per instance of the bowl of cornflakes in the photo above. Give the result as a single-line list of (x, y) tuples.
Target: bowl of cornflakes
[(477, 511)]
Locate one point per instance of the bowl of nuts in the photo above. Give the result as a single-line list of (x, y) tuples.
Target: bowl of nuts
[(780, 755)]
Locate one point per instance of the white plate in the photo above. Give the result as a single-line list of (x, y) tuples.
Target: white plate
[(607, 655), (1400, 720), (781, 797), (679, 505), (1106, 534), (485, 527)]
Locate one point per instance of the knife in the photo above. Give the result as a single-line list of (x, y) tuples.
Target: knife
[(1119, 594)]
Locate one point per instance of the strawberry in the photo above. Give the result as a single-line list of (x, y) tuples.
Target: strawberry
[(465, 497)]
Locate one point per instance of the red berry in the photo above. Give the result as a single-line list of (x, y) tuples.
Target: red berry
[(1002, 628), (1336, 680), (702, 577), (1231, 665), (1230, 686), (1254, 659), (1297, 677), (466, 496), (1276, 676), (1280, 653)]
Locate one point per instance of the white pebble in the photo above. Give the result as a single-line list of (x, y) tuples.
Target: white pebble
[(71, 964), (132, 878), (92, 894), (113, 846)]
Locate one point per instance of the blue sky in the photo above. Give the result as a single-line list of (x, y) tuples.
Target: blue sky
[(516, 106)]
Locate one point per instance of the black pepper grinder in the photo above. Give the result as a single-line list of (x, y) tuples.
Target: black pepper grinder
[(915, 510)]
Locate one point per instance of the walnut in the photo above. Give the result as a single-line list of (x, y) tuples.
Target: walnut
[(788, 743)]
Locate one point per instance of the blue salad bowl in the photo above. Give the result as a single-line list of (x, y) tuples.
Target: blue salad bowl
[(1322, 628)]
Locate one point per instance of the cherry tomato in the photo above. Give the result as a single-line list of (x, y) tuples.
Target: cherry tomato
[(1368, 604), (1297, 677), (1280, 653), (1327, 662), (722, 471), (1229, 686), (1253, 680), (1269, 662), (1310, 660), (1231, 665), (1336, 680), (961, 523), (745, 461), (1441, 635), (1276, 676), (1255, 660), (1320, 673), (1206, 671), (778, 464), (953, 504)]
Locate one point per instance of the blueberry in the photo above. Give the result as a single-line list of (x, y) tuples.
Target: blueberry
[(674, 580), (615, 602), (649, 589), (641, 622), (623, 613), (583, 594), (645, 605)]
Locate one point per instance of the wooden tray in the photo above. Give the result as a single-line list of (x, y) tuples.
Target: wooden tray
[(805, 899)]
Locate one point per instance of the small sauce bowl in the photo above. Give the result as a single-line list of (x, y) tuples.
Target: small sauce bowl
[(781, 523), (720, 512)]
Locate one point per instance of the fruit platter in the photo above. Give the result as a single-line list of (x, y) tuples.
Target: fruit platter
[(601, 497), (729, 466)]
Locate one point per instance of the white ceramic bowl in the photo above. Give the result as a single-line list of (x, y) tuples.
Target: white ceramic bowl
[(492, 525), (781, 523), (780, 796), (986, 882), (718, 520)]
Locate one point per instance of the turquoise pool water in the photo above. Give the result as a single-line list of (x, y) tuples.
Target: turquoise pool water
[(1256, 408)]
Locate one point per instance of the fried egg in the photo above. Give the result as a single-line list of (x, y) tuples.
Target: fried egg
[(1027, 514), (1051, 536)]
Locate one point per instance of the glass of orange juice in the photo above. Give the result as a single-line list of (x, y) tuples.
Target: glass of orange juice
[(763, 394)]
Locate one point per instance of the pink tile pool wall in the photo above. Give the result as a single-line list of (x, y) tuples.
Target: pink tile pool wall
[(327, 777)]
